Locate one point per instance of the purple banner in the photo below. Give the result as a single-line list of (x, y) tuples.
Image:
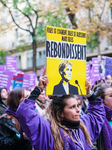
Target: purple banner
[(5, 68), (108, 67), (5, 79), (95, 69), (89, 73), (33, 77), (26, 81), (11, 63), (2, 67), (1, 74)]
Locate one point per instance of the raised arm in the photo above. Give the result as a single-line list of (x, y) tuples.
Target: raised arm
[(43, 82), (96, 114), (95, 118), (35, 126)]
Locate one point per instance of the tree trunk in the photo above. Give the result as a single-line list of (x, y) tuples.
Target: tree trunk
[(98, 41), (34, 45), (72, 19)]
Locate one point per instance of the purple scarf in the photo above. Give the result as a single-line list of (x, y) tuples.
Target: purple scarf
[(107, 130), (11, 111)]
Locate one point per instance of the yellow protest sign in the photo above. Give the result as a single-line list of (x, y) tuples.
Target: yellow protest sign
[(66, 61)]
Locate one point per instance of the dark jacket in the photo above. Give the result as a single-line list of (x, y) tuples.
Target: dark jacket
[(3, 106), (9, 127), (59, 89)]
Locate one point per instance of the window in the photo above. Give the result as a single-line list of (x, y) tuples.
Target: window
[(44, 54), (18, 61), (29, 59), (29, 37), (54, 0), (109, 40), (40, 58), (40, 54), (16, 34)]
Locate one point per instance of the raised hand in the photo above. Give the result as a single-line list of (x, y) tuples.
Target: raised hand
[(88, 86), (43, 82)]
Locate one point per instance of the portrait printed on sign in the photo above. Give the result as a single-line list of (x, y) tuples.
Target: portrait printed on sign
[(64, 86), (65, 61), (65, 77)]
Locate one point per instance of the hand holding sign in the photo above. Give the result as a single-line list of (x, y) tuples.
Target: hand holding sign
[(43, 82), (88, 86)]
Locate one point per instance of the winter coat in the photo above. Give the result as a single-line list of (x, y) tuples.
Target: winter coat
[(107, 130), (38, 130), (9, 129), (39, 133), (104, 141), (3, 106)]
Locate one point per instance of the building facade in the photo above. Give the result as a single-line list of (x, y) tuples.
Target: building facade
[(11, 37)]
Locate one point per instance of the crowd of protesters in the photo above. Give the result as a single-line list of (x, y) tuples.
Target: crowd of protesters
[(31, 120)]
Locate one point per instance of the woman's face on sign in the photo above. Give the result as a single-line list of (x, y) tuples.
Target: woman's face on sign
[(67, 72)]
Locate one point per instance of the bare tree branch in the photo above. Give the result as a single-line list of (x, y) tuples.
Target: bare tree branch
[(27, 17), (14, 19), (34, 12), (17, 24), (102, 11)]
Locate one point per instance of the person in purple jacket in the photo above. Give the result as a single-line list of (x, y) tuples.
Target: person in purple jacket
[(104, 141), (64, 130)]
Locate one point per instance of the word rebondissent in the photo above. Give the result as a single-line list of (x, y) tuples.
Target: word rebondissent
[(65, 50)]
